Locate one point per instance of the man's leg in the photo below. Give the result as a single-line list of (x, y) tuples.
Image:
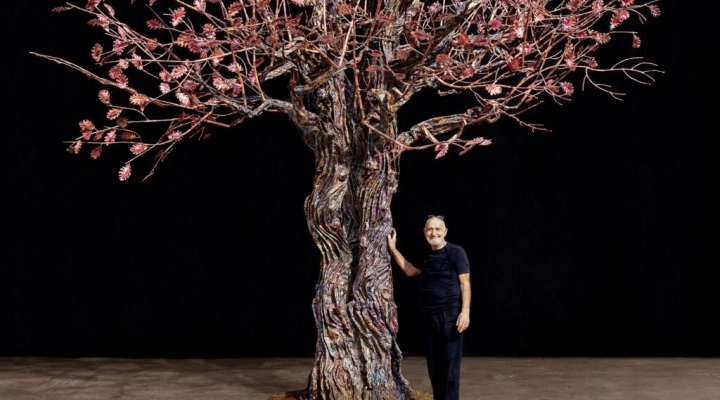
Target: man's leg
[(453, 351), (436, 353)]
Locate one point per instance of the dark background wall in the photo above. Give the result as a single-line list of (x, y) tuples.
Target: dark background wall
[(590, 240)]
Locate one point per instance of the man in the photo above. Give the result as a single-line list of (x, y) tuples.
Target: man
[(445, 274)]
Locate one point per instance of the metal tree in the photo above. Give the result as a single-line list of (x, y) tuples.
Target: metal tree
[(346, 67)]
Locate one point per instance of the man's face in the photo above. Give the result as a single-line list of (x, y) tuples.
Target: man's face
[(435, 232)]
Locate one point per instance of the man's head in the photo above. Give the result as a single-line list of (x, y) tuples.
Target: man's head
[(435, 231)]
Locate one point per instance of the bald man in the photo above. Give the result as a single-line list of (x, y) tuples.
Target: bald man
[(445, 274)]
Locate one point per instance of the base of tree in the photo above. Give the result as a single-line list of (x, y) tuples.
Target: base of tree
[(297, 395)]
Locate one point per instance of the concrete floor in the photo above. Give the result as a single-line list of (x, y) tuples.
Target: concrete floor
[(259, 379)]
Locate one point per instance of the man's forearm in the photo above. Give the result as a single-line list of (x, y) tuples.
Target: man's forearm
[(465, 294), (405, 265), (398, 257)]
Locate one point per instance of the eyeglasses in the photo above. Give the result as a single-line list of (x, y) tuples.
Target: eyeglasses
[(440, 217)]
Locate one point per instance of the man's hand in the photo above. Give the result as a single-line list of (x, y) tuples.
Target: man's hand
[(392, 239), (407, 268), (463, 321)]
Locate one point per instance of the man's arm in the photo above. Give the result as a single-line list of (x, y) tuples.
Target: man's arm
[(406, 266), (463, 320)]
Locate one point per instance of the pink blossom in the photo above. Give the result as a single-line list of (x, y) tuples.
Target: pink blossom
[(96, 52), (569, 23), (618, 17), (101, 22), (591, 62), (110, 136), (636, 42), (183, 98), (524, 48), (165, 76), (122, 80), (86, 128), (567, 87), (598, 6), (478, 141), (654, 10), (104, 96), (96, 152), (137, 61), (220, 83), (124, 172), (467, 72), (574, 4), (237, 89), (441, 149), (209, 31), (113, 113), (177, 16), (91, 4), (493, 89), (111, 11), (154, 24), (115, 71), (601, 37), (252, 77), (138, 148), (119, 46), (569, 54), (75, 148), (175, 135), (140, 100), (190, 85), (178, 72)]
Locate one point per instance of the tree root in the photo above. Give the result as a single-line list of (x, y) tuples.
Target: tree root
[(297, 395)]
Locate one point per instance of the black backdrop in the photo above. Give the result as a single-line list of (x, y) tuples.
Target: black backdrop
[(590, 240)]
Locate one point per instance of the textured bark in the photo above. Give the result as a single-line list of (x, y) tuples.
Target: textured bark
[(349, 218)]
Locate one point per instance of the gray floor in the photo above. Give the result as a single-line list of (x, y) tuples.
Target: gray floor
[(258, 379)]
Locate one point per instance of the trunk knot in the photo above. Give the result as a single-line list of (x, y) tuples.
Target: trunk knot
[(342, 173), (372, 164)]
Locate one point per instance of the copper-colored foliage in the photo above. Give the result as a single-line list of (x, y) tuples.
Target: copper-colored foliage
[(216, 61)]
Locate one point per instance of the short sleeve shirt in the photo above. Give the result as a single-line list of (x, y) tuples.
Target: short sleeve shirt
[(440, 270)]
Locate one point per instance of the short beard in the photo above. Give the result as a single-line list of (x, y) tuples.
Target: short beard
[(436, 241)]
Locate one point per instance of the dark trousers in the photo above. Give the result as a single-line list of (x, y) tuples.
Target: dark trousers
[(443, 353)]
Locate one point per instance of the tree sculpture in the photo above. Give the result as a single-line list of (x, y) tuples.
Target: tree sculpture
[(345, 68)]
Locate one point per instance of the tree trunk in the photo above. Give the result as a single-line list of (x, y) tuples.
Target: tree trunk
[(349, 218), (357, 356)]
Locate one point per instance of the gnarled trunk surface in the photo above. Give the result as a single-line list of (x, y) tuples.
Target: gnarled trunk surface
[(349, 218)]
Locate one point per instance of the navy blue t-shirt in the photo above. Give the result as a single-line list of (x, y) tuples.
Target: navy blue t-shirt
[(440, 270)]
